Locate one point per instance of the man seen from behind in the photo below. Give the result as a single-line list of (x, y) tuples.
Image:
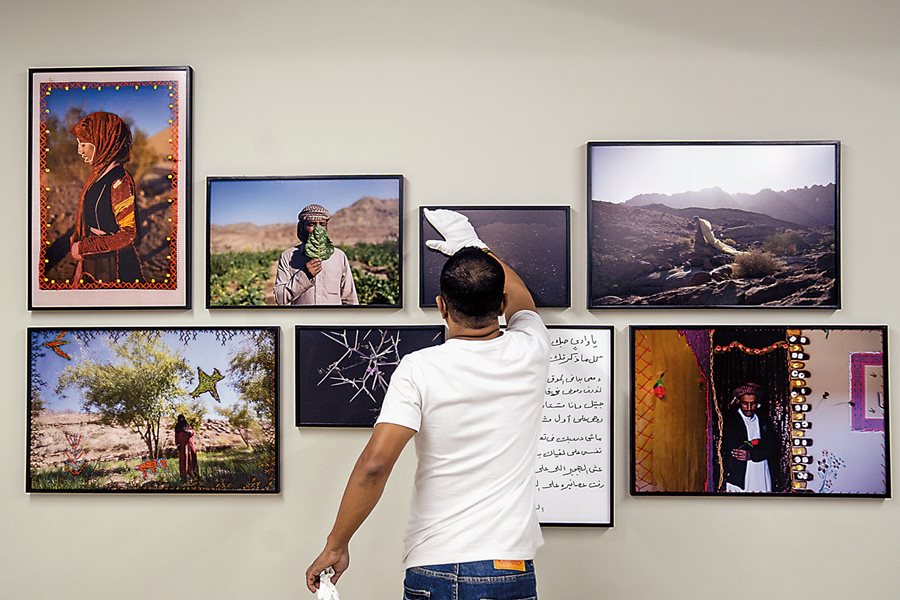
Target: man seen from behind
[(474, 406)]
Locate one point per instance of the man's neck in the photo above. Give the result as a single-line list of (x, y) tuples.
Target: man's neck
[(459, 332)]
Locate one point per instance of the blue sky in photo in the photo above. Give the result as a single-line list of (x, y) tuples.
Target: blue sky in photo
[(619, 173), (147, 109), (205, 352), (273, 201)]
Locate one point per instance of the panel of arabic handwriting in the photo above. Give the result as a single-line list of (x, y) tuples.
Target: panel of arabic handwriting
[(574, 463)]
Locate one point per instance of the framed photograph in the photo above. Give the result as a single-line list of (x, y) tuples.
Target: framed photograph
[(304, 242), (714, 224), (145, 410), (533, 240), (760, 410), (574, 475), (109, 188), (343, 373)]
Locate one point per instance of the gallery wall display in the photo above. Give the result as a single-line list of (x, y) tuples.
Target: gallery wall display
[(342, 373), (771, 410), (533, 240), (574, 475), (109, 188), (714, 224), (143, 410), (266, 251)]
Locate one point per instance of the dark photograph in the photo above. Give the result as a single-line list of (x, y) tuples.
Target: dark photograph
[(714, 224), (332, 241), (760, 410), (533, 240), (343, 372), (182, 410)]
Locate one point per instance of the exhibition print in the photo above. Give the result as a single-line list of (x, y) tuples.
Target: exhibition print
[(573, 474), (533, 240), (714, 224), (153, 410), (109, 188), (343, 372), (760, 410), (304, 242)]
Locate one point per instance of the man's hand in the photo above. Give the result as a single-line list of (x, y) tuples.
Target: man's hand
[(314, 266), (458, 233), (740, 454), (337, 558), (74, 250)]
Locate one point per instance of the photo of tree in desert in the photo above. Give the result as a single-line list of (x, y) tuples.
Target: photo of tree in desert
[(714, 224), (109, 190), (153, 410)]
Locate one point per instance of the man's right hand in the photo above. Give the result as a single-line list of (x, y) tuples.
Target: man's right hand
[(337, 558), (456, 230), (314, 266)]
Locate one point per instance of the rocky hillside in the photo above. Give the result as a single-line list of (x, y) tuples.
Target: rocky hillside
[(107, 443), (368, 220), (646, 255)]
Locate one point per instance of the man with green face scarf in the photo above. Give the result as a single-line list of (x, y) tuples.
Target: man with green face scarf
[(314, 272)]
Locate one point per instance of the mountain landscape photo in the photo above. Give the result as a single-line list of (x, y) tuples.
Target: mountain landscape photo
[(770, 248)]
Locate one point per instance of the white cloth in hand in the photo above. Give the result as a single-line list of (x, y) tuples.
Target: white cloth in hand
[(458, 233), (326, 590)]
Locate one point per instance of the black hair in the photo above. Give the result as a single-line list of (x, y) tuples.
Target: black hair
[(181, 424), (472, 285)]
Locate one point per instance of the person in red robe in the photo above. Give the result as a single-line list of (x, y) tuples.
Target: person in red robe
[(187, 453)]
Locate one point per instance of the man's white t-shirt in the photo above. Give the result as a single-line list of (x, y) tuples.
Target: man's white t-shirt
[(477, 407)]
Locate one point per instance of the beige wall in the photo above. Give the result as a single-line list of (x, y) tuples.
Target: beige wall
[(474, 102)]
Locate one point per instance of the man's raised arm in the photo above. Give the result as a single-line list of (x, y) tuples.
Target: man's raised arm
[(458, 233)]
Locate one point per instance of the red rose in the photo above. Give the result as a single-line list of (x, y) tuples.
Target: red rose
[(659, 391), (754, 442)]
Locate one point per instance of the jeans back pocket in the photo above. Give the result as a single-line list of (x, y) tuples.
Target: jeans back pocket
[(411, 594)]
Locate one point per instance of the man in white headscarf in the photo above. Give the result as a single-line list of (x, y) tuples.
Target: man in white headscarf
[(749, 442), (305, 281)]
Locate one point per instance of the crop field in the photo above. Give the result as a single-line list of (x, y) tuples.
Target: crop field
[(248, 278)]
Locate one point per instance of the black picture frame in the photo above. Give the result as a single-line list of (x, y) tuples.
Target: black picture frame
[(163, 188), (314, 354), (793, 414), (512, 251), (650, 258), (282, 231), (47, 344), (607, 432)]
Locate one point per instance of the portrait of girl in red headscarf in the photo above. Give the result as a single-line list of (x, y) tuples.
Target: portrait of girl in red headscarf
[(103, 243)]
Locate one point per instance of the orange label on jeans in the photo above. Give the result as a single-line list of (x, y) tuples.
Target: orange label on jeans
[(510, 565)]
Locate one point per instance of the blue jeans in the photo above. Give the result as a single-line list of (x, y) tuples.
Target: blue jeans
[(470, 581)]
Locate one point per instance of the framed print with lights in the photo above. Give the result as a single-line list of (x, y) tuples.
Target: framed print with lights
[(109, 188), (772, 410)]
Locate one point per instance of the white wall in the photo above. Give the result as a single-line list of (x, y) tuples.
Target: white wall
[(474, 102)]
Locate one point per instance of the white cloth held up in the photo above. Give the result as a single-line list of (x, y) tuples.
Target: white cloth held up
[(326, 590), (458, 233)]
